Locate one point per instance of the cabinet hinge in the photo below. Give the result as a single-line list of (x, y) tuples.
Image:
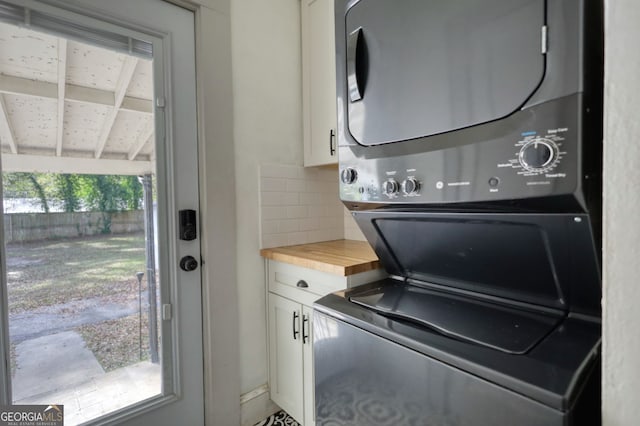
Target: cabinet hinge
[(166, 311)]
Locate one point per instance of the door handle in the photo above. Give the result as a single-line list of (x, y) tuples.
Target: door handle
[(356, 63), (188, 264), (295, 332), (305, 322)]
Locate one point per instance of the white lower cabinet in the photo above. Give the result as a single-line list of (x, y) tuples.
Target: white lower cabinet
[(308, 382), (291, 293), (286, 355)]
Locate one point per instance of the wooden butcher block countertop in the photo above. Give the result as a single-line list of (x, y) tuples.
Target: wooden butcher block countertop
[(340, 257)]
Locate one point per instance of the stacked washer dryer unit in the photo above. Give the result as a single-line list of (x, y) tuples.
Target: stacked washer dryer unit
[(470, 156)]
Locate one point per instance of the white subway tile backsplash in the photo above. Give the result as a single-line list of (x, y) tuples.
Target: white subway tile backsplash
[(296, 212), (273, 212), (272, 198), (295, 238), (268, 184), (299, 205), (316, 211), (326, 234), (310, 224), (289, 225), (270, 226), (275, 240), (307, 198), (291, 199), (296, 185), (279, 171)]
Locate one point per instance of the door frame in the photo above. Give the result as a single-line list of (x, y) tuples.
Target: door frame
[(217, 163), (220, 310)]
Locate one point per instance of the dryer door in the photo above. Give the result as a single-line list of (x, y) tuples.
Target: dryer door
[(416, 68)]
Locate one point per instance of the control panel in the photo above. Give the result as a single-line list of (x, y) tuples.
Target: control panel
[(527, 164)]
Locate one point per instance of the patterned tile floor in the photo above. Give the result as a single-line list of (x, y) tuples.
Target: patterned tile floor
[(278, 419)]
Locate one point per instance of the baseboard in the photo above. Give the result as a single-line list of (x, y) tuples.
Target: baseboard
[(256, 405)]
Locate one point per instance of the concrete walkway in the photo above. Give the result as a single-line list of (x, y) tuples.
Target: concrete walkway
[(48, 320), (50, 363), (59, 369)]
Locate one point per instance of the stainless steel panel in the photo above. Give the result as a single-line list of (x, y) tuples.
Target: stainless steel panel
[(362, 379), (436, 66)]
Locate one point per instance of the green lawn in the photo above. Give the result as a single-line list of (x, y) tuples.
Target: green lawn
[(51, 272), (46, 273)]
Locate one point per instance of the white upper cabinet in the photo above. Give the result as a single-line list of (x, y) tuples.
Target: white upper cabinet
[(318, 82)]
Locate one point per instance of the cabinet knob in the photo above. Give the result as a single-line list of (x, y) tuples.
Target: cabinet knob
[(302, 284)]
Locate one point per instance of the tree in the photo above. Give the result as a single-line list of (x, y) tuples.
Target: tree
[(103, 193), (66, 190), (132, 192), (28, 185), (42, 196), (108, 194)]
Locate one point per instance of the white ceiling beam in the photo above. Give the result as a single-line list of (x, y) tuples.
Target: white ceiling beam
[(89, 95), (6, 123), (86, 166), (23, 86), (142, 140), (137, 105), (62, 85), (128, 67)]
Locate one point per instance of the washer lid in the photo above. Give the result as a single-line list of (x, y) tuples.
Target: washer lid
[(493, 325), (416, 68)]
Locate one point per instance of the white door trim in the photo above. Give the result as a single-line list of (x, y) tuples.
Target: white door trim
[(218, 212)]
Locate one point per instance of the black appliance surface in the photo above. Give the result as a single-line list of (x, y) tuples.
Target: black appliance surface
[(378, 369), (486, 323), (548, 260), (470, 143), (496, 102)]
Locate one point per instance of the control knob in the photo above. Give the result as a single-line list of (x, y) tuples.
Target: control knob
[(390, 187), (537, 154), (410, 186), (348, 175)]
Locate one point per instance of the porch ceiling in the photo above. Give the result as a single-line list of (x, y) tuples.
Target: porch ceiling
[(69, 107)]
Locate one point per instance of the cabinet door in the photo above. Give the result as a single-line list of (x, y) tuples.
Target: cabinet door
[(285, 355), (318, 82), (307, 353)]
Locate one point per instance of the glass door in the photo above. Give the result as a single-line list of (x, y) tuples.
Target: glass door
[(101, 287)]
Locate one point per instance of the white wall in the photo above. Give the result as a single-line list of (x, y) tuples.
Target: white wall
[(351, 229), (267, 92), (621, 245)]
